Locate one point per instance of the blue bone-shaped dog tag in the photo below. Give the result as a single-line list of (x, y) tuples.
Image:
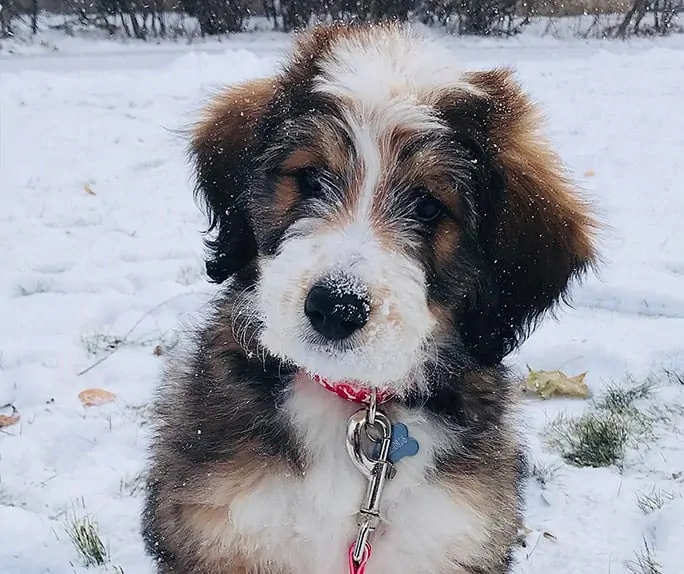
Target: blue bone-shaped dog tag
[(401, 445)]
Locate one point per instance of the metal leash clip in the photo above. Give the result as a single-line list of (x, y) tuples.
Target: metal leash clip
[(377, 428)]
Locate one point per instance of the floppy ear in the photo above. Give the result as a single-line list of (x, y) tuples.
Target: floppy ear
[(221, 149), (542, 231)]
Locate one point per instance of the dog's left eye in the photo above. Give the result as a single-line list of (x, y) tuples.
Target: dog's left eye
[(427, 209), (309, 181)]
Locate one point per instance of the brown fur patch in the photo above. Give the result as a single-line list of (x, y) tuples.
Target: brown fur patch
[(330, 152), (444, 319), (228, 123), (221, 483), (300, 159), (446, 242), (286, 197), (541, 198)]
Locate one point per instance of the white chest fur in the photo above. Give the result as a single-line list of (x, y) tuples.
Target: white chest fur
[(306, 524)]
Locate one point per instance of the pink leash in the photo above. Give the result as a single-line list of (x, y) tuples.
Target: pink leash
[(359, 568)]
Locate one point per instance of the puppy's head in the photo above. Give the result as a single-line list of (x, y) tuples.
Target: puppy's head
[(387, 205)]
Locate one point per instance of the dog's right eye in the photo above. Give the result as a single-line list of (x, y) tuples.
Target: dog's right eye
[(309, 181)]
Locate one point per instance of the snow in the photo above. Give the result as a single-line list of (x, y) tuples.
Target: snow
[(80, 269)]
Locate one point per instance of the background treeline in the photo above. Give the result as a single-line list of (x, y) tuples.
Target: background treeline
[(145, 19)]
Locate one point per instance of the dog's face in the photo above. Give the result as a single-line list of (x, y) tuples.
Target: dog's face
[(386, 206)]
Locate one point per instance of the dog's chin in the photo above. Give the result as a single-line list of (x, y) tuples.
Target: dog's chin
[(393, 372)]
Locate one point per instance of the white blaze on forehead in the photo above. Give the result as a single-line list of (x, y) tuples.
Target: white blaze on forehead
[(388, 63), (366, 143)]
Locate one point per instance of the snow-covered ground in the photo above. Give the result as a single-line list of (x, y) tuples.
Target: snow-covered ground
[(99, 234)]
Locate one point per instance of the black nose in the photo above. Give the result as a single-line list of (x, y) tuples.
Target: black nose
[(336, 312)]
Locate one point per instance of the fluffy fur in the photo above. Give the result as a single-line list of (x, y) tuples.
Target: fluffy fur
[(424, 199)]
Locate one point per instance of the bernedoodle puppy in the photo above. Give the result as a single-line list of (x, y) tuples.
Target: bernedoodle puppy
[(387, 227)]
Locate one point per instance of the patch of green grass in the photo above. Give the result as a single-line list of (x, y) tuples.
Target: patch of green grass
[(644, 562), (623, 415), (595, 439), (87, 541), (649, 502), (622, 398)]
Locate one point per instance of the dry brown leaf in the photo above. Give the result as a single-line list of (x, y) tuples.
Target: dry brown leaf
[(590, 173), (88, 189), (158, 351), (550, 383), (95, 397), (11, 419), (6, 421)]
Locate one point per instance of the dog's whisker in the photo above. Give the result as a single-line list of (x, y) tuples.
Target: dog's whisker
[(242, 301), (251, 338), (244, 319)]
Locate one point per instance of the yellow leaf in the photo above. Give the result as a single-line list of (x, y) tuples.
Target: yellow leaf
[(11, 419), (88, 189), (590, 173), (549, 383), (95, 397)]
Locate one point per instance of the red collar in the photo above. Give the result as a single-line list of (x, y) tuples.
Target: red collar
[(349, 392)]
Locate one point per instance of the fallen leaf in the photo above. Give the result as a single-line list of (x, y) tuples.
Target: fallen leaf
[(549, 383), (95, 397), (590, 173), (6, 421), (11, 419), (550, 536), (88, 189), (158, 350)]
